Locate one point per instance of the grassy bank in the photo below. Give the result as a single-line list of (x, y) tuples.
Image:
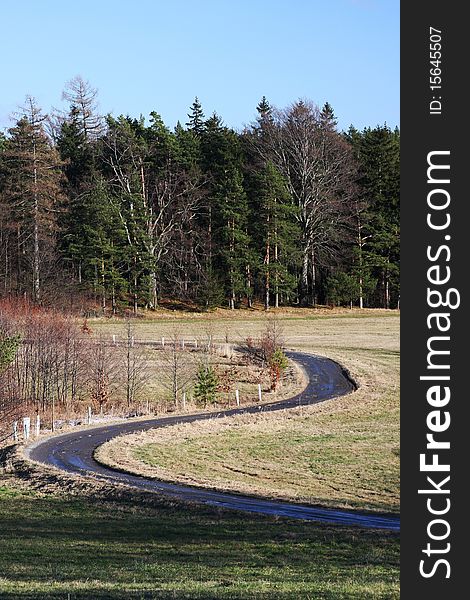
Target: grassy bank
[(76, 548)]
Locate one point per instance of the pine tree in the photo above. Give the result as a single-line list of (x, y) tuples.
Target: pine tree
[(205, 390), (231, 232), (33, 195), (377, 151), (227, 209), (277, 235), (327, 118), (196, 118), (8, 347), (265, 117)]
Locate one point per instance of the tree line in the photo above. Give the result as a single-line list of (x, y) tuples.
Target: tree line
[(111, 213)]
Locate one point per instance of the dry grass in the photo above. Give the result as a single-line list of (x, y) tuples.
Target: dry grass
[(344, 452)]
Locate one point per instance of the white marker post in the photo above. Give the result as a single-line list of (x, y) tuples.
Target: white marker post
[(26, 427), (38, 425), (114, 340), (163, 342), (182, 343), (259, 392), (89, 415), (237, 397)]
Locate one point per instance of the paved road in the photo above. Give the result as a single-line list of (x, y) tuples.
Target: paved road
[(73, 452)]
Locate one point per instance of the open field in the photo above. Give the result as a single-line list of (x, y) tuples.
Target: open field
[(59, 547), (344, 452)]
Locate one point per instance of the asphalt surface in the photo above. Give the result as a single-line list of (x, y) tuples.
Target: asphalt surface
[(73, 452)]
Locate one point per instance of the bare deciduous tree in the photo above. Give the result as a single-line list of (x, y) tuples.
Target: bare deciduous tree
[(179, 365), (136, 366), (82, 98), (318, 169)]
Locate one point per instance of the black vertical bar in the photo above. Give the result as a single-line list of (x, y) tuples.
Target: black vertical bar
[(434, 121)]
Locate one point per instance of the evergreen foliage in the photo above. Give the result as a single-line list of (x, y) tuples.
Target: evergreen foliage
[(205, 389), (8, 347), (129, 212)]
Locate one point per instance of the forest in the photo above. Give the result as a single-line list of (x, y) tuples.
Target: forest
[(111, 214)]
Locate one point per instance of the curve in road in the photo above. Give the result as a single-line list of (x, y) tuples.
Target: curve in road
[(74, 452)]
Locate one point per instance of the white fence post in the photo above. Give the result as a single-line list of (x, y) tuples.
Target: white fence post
[(26, 427)]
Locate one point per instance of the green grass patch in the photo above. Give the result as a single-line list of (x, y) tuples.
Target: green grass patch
[(62, 548)]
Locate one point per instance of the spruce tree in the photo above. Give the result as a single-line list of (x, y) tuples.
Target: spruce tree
[(205, 390), (277, 234), (379, 187), (196, 118), (327, 118), (33, 196)]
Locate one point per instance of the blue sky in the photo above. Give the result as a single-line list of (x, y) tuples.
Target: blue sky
[(146, 55)]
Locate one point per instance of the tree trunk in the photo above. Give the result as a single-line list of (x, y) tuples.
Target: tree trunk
[(153, 290), (360, 245), (267, 261), (387, 291), (36, 276), (314, 277), (103, 286), (304, 279), (361, 299), (276, 275)]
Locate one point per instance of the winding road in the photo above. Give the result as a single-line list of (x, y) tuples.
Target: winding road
[(73, 452)]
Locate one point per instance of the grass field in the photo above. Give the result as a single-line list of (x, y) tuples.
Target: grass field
[(344, 452), (58, 547)]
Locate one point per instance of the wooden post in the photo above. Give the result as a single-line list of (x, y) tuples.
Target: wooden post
[(38, 425), (15, 430), (26, 427), (237, 397), (89, 415), (259, 392)]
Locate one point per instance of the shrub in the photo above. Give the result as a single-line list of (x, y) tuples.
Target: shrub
[(205, 390)]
